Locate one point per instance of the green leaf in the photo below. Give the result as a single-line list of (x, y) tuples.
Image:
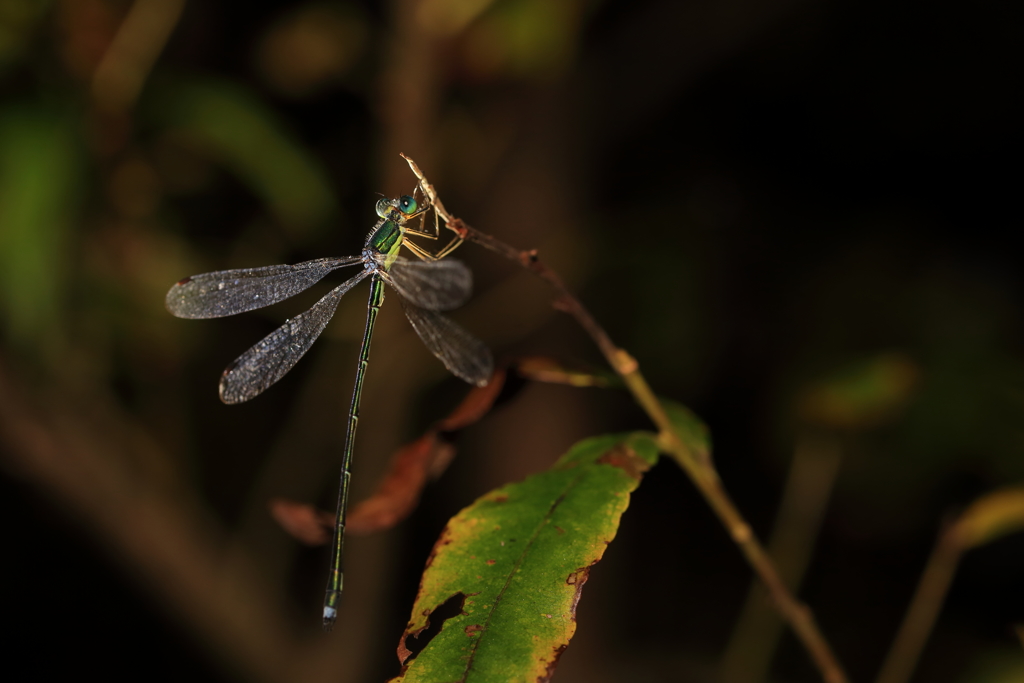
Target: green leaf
[(245, 136), (518, 558)]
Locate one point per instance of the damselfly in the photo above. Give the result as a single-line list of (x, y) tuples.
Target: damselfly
[(424, 287)]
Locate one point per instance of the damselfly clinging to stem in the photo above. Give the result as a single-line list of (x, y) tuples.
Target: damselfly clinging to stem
[(423, 287)]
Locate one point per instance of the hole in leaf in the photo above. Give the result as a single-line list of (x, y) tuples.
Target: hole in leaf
[(452, 607)]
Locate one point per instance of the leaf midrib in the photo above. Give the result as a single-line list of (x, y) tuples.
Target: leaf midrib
[(497, 600)]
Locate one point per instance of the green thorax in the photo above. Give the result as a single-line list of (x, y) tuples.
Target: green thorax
[(386, 239)]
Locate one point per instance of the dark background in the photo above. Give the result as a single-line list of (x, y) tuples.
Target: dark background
[(750, 196)]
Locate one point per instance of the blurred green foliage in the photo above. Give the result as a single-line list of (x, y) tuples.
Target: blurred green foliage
[(18, 20), (238, 131), (41, 188), (996, 667), (860, 397), (530, 39)]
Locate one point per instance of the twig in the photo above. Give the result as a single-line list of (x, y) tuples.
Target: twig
[(924, 608), (992, 516), (702, 473), (812, 473)]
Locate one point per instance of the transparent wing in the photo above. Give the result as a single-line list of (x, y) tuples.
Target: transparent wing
[(227, 292), (464, 355), (262, 365), (433, 285)]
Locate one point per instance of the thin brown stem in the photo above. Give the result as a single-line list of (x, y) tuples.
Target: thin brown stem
[(924, 608), (701, 472), (812, 474)]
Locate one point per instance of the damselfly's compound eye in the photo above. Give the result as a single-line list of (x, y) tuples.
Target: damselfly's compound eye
[(383, 206), (407, 204)]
